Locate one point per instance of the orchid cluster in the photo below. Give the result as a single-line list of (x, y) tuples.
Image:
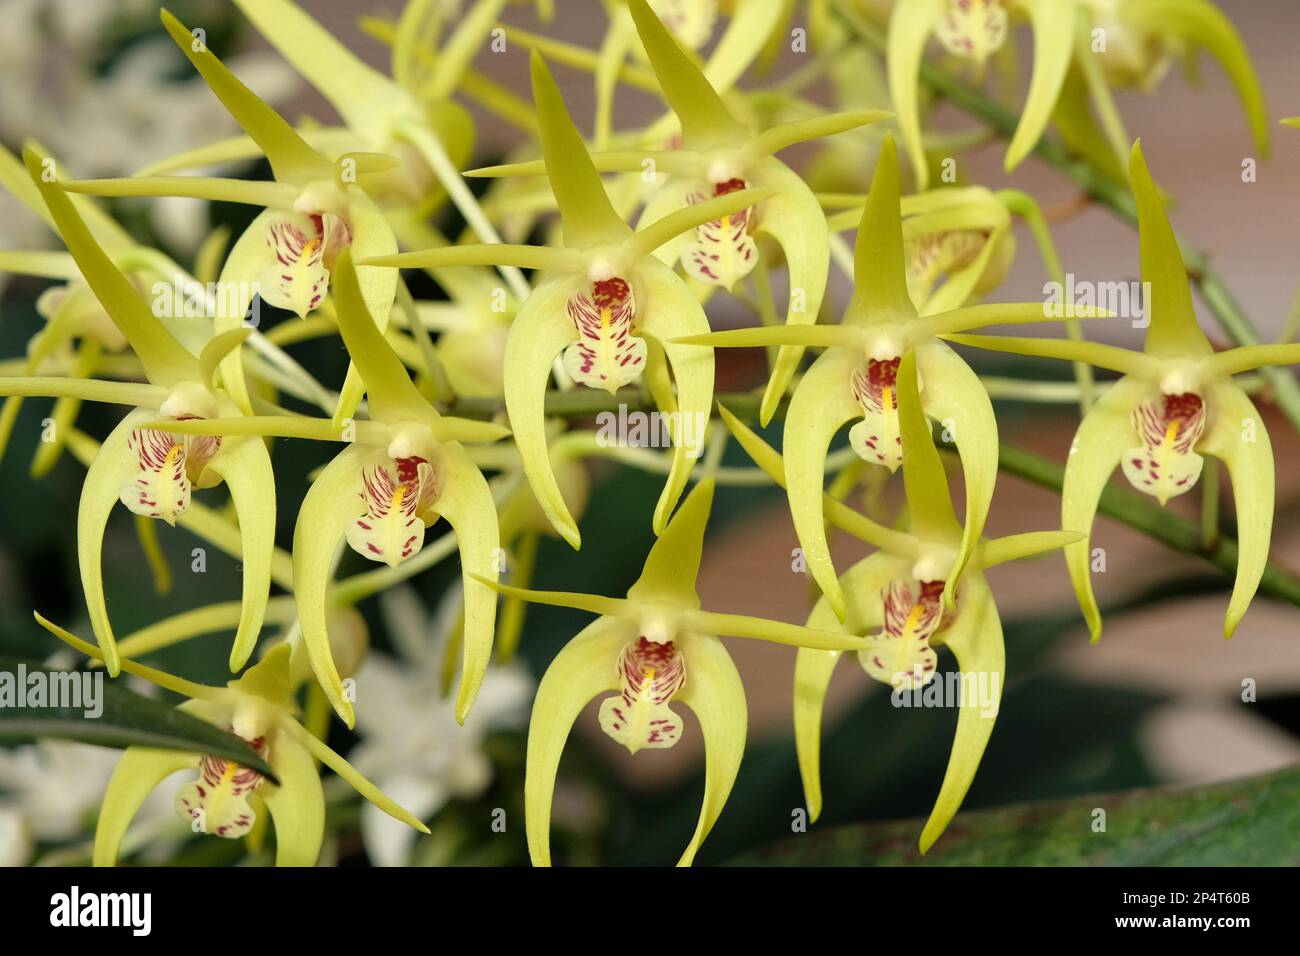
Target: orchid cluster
[(464, 405)]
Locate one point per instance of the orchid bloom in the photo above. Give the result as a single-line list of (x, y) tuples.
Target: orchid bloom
[(153, 472), (226, 798), (1175, 402), (70, 309), (856, 378), (404, 467), (719, 156), (378, 111), (314, 210), (1099, 42), (894, 598), (654, 648), (604, 300), (947, 235)]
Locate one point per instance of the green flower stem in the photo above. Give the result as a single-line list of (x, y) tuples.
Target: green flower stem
[(1111, 194)]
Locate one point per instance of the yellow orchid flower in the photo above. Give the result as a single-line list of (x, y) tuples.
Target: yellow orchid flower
[(1117, 43), (856, 378), (961, 235), (314, 210), (381, 114), (654, 647), (718, 155), (1175, 401), (895, 600), (150, 471), (404, 468), (604, 301), (226, 798)]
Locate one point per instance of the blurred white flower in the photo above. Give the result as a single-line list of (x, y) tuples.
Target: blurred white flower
[(413, 748), (144, 108), (50, 792)]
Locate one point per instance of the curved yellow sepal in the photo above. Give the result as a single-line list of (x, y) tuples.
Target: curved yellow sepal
[(975, 639), (1105, 433), (821, 405), (1237, 437), (466, 502), (540, 331), (331, 501), (297, 805), (716, 695), (910, 25), (585, 667), (669, 311), (245, 466), (136, 775), (1053, 30)]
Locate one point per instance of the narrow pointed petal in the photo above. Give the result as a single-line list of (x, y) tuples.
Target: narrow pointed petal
[(703, 116), (1053, 30), (595, 603), (1112, 357), (292, 160), (713, 690), (649, 238), (669, 312), (812, 676), (821, 405), (1247, 358), (975, 639), (461, 47), (393, 396), (839, 514), (321, 751), (1027, 544), (1104, 435), (674, 560), (540, 331), (1173, 330), (929, 503), (85, 389), (41, 263), (100, 492), (776, 138), (135, 777), (863, 584), (584, 668), (814, 336), (585, 211), (365, 98), (486, 254), (955, 397), (1003, 313), (297, 805), (371, 237), (211, 188), (245, 466), (910, 26), (879, 266), (208, 619), (777, 632), (330, 503), (165, 360), (466, 502), (795, 220), (448, 428), (1237, 438)]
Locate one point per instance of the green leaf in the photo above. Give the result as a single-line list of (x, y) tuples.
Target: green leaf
[(1250, 822), (127, 720)]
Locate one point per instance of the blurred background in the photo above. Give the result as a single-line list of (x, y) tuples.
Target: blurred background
[(1158, 700)]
